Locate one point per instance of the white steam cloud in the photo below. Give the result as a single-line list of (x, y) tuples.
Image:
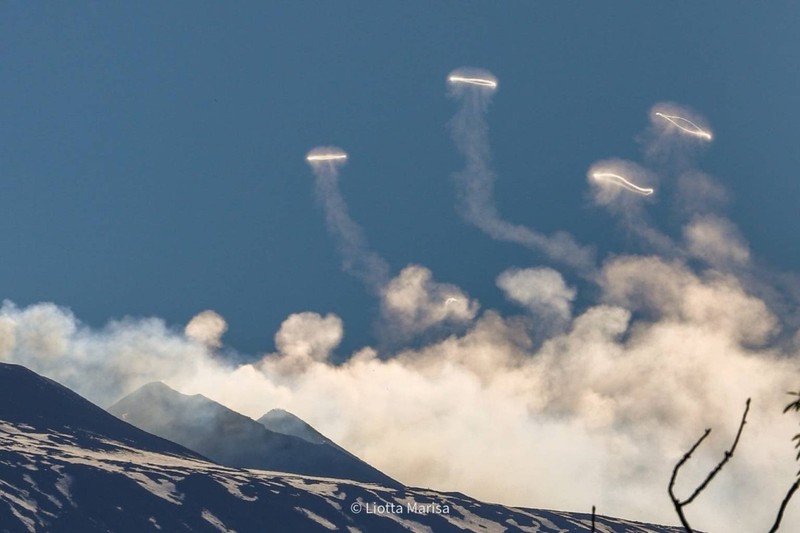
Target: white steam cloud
[(475, 183), (101, 364)]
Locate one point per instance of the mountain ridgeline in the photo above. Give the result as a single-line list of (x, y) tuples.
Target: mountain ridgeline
[(44, 405), (282, 443)]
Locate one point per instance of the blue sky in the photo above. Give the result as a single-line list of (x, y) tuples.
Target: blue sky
[(152, 153), (152, 158)]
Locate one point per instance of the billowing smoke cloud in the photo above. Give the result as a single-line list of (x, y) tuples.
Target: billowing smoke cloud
[(126, 353), (670, 291), (598, 414), (475, 183), (358, 259), (207, 327), (415, 302)]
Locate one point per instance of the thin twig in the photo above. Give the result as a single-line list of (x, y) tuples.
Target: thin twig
[(678, 504), (675, 501), (725, 459), (593, 530)]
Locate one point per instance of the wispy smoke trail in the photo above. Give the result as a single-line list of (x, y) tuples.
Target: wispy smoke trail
[(475, 183), (673, 134), (358, 259), (413, 301), (625, 196), (597, 413)]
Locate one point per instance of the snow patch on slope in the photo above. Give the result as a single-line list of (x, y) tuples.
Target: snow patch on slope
[(317, 518)]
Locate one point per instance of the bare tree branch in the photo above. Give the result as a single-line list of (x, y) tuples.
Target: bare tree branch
[(671, 489), (676, 502), (793, 406), (725, 459), (784, 503)]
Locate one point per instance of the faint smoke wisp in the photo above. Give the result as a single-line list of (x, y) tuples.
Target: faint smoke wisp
[(475, 183), (674, 135), (717, 241), (412, 302), (357, 258), (624, 188)]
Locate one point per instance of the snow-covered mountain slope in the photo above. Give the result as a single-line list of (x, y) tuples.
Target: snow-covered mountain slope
[(60, 473), (232, 439), (51, 482), (41, 403)]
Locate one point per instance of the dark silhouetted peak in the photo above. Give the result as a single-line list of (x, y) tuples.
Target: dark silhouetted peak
[(281, 421), (232, 439)]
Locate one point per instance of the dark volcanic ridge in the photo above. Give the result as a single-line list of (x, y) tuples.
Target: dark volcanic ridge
[(232, 439)]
